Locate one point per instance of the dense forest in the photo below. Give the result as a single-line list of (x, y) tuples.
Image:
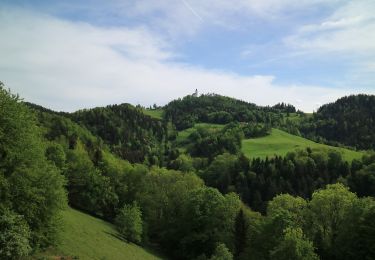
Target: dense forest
[(202, 199), (350, 121), (130, 134)]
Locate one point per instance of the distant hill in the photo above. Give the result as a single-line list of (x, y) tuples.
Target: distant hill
[(350, 121)]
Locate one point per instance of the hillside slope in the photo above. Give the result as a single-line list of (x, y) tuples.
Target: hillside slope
[(280, 143), (86, 237)]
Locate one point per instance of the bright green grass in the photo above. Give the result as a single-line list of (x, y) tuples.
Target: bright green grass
[(155, 113), (280, 143), (87, 237)]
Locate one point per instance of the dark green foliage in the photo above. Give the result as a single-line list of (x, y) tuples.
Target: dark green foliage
[(241, 235), (258, 182), (366, 234), (363, 181), (209, 218), (356, 236), (248, 231), (283, 107), (129, 223), (204, 143), (252, 130), (220, 172)]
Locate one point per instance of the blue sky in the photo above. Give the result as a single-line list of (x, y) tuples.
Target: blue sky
[(67, 55)]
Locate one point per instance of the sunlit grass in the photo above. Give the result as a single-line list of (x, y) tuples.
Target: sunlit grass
[(86, 237), (280, 143)]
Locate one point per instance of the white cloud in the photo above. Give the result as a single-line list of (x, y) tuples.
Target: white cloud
[(350, 29), (67, 66)]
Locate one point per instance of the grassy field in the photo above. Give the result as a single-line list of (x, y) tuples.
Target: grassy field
[(86, 237), (280, 143), (155, 113)]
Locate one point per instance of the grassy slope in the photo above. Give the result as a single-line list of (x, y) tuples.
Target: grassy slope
[(280, 143), (87, 237), (155, 113)]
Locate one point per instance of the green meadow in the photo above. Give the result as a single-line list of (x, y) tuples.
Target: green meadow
[(86, 237), (280, 143)]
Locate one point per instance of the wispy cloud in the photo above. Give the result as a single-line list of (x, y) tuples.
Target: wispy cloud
[(351, 29), (176, 18)]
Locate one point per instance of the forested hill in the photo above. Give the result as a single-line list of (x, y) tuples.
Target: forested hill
[(213, 108), (124, 128), (130, 133), (350, 121)]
